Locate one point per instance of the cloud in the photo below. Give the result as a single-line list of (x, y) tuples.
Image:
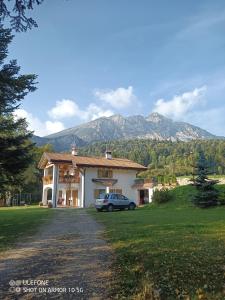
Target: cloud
[(211, 120), (94, 112), (53, 127), (180, 105), (202, 23), (118, 98), (64, 108), (189, 107), (35, 124)]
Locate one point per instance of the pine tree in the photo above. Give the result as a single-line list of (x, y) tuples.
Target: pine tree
[(15, 144), (16, 11), (206, 195)]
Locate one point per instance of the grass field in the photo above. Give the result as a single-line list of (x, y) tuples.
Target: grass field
[(174, 249), (17, 223)]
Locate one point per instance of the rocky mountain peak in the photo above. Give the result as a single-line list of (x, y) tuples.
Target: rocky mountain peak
[(117, 118), (116, 127), (155, 117)]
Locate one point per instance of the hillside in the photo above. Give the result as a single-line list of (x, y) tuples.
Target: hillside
[(158, 246), (155, 127), (164, 157)]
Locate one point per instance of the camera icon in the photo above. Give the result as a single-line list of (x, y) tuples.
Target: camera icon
[(18, 289)]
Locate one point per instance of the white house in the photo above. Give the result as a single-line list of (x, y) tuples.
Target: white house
[(73, 180)]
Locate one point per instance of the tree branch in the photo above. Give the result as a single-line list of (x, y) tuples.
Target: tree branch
[(17, 13)]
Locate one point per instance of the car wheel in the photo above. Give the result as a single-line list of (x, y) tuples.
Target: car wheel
[(98, 209), (110, 208), (131, 206)]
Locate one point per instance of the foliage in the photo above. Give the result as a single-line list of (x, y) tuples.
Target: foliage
[(15, 145), (161, 245), (164, 157), (161, 196), (32, 176), (166, 179), (206, 193), (19, 222), (16, 13), (221, 194)]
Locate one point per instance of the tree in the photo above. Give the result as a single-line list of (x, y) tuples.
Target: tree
[(206, 195), (16, 12), (15, 145), (32, 176)]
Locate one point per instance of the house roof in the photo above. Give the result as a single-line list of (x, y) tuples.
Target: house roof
[(87, 161)]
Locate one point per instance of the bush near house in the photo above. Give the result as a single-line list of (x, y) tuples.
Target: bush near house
[(161, 196), (169, 251), (221, 196)]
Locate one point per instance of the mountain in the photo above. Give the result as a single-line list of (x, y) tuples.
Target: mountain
[(154, 126), (60, 143)]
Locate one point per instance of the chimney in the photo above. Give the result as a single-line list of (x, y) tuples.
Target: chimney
[(108, 154), (74, 150)]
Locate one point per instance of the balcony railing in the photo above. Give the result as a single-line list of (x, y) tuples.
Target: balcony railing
[(69, 179), (143, 180)]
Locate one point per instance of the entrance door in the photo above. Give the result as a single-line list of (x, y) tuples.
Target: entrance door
[(144, 197), (72, 198), (68, 195), (75, 197)]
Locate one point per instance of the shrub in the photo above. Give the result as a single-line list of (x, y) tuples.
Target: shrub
[(221, 198), (161, 196), (41, 203)]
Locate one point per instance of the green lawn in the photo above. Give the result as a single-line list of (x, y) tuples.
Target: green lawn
[(175, 249), (17, 223)]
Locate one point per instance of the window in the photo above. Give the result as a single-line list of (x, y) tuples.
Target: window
[(105, 173), (98, 193), (117, 191), (121, 197)]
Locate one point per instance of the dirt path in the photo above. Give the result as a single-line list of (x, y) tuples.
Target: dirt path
[(69, 252)]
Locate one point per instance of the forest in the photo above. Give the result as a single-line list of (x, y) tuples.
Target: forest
[(164, 157)]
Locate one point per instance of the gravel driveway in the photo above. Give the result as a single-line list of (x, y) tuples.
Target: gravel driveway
[(68, 257)]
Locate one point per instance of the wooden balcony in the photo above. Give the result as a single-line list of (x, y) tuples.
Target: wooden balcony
[(62, 179), (140, 183), (69, 179), (143, 180), (47, 179)]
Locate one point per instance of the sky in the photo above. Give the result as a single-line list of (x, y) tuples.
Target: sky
[(97, 58)]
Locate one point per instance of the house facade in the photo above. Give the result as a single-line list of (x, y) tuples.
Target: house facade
[(71, 180)]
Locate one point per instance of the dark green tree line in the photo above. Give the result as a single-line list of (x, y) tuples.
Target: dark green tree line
[(165, 157)]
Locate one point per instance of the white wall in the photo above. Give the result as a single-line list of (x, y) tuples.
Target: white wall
[(125, 181), (90, 186)]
